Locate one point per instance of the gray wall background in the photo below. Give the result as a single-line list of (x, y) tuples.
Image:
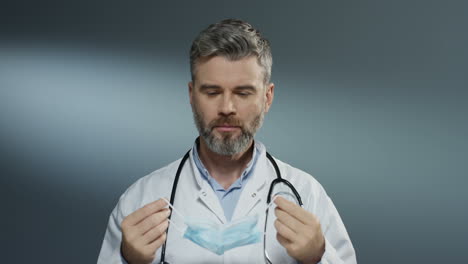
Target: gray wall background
[(370, 100)]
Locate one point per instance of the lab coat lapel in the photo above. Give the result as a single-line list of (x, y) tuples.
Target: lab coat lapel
[(252, 194), (208, 197), (206, 193)]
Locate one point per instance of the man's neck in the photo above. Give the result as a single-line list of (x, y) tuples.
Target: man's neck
[(225, 169)]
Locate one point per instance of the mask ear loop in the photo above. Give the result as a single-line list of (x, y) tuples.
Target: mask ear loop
[(264, 232), (178, 228), (272, 201), (268, 207), (284, 194)]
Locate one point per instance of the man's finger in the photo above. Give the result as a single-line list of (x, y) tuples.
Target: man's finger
[(153, 246), (284, 231), (152, 221), (149, 209), (155, 233), (282, 240), (295, 225), (294, 210)]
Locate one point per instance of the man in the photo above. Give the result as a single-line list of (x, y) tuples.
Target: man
[(227, 176)]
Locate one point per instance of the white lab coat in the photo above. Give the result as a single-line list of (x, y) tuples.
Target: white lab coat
[(195, 197)]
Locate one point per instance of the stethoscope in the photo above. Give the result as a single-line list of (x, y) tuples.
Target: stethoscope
[(272, 185)]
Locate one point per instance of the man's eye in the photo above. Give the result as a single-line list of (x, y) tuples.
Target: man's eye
[(243, 94), (212, 93)]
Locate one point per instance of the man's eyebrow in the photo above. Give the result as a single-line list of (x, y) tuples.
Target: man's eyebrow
[(240, 87), (209, 86), (246, 87)]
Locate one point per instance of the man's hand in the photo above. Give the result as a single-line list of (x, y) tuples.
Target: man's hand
[(299, 232), (144, 231)]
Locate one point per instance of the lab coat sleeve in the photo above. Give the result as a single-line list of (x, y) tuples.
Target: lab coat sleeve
[(338, 246), (110, 250)]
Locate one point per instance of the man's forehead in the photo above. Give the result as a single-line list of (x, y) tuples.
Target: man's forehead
[(218, 70)]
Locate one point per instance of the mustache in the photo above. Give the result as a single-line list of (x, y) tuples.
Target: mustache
[(222, 121)]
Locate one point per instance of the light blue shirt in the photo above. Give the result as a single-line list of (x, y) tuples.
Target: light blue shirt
[(228, 198)]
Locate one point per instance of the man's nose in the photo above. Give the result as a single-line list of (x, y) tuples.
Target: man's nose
[(227, 106)]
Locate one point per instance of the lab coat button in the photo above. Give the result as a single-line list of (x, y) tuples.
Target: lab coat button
[(253, 195), (204, 193)]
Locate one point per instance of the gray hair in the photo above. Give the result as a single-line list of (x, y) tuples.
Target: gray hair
[(234, 39)]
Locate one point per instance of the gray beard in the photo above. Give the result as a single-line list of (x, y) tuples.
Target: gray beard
[(226, 145)]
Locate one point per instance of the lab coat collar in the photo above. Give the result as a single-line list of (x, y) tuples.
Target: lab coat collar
[(194, 168), (250, 195), (205, 192)]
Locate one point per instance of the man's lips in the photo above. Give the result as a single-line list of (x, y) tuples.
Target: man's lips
[(226, 128)]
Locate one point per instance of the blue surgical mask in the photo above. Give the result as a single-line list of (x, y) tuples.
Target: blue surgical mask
[(219, 238)]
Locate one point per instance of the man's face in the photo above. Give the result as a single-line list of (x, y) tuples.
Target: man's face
[(229, 100)]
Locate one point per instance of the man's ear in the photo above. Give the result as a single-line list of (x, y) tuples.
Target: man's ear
[(269, 94), (190, 90)]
